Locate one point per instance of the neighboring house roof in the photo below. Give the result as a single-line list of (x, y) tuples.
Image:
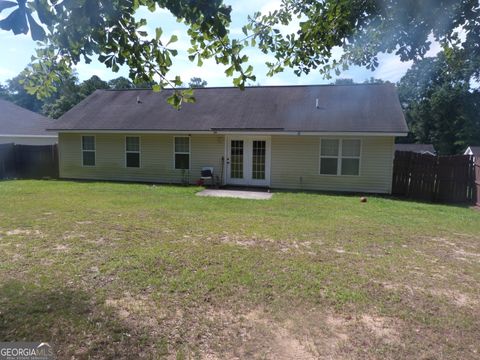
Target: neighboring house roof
[(346, 108), (473, 150), (17, 121), (418, 148)]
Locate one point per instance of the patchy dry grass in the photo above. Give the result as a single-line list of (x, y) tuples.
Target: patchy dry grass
[(135, 271)]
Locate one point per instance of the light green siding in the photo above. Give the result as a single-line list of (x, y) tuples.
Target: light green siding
[(156, 159), (295, 165), (294, 161)]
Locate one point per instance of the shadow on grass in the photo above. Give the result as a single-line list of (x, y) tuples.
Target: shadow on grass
[(70, 320)]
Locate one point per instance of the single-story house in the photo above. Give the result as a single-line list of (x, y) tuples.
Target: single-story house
[(473, 150), (24, 127), (417, 148), (322, 137)]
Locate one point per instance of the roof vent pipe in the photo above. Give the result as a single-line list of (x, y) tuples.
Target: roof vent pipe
[(138, 100), (316, 104)]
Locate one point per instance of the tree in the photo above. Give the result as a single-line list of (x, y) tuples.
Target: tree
[(440, 105), (196, 82), (87, 87), (67, 95), (4, 92), (343, 81), (373, 80), (75, 30), (363, 29), (15, 92), (70, 93), (120, 83)]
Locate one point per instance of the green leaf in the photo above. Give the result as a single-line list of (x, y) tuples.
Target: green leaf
[(158, 33), (173, 38), (7, 4), (37, 32)]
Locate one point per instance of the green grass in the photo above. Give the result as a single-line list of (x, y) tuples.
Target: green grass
[(106, 270)]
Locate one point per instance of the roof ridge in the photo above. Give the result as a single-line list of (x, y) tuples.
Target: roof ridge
[(259, 86)]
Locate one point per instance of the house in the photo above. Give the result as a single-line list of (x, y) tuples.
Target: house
[(473, 150), (323, 137), (417, 148), (24, 127)]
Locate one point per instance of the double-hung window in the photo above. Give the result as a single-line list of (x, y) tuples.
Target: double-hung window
[(132, 151), (182, 153), (340, 156), (88, 150)]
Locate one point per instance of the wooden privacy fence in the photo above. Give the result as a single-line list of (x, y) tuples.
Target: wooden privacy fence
[(28, 161), (447, 179), (477, 178)]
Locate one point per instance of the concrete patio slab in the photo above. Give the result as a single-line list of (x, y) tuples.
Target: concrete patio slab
[(239, 194)]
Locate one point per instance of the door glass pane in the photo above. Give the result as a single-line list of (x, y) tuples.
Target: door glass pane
[(236, 159), (258, 160)]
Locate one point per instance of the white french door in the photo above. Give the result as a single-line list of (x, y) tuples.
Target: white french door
[(248, 160)]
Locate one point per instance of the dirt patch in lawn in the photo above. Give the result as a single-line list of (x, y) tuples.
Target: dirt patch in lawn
[(455, 297), (464, 249), (268, 243), (216, 333), (61, 248), (67, 235), (381, 327), (138, 311), (23, 232)]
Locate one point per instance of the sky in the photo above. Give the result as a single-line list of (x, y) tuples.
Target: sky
[(16, 52)]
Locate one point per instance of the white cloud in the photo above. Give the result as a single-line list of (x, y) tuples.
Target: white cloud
[(391, 67)]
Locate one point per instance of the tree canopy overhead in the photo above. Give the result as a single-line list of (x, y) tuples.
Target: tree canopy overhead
[(109, 30)]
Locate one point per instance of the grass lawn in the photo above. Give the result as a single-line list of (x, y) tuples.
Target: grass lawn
[(106, 270)]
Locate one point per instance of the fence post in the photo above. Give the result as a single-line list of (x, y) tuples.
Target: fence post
[(476, 161)]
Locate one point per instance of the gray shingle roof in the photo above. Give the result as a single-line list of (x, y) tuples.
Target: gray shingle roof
[(418, 148), (15, 120), (346, 108)]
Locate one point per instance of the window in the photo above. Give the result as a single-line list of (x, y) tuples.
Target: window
[(329, 157), (350, 157), (182, 153), (88, 150), (340, 157), (132, 151)]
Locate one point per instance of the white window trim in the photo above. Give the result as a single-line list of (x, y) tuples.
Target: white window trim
[(94, 151), (340, 157), (139, 152), (189, 153)]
